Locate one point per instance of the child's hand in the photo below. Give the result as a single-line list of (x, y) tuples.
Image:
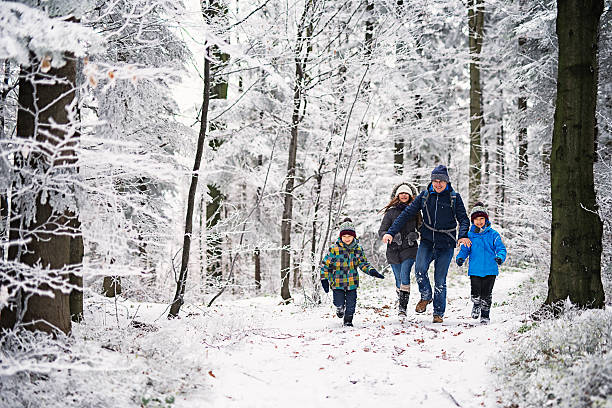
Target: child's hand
[(376, 274), (498, 260), (460, 261), (325, 284), (387, 238)]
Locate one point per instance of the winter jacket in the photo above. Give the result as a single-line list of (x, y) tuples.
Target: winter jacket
[(486, 246), (439, 224), (404, 243), (340, 265)]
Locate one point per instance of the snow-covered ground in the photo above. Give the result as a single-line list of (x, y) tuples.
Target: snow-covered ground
[(305, 356), (256, 353)]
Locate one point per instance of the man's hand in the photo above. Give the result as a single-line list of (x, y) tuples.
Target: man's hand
[(387, 238), (463, 241)]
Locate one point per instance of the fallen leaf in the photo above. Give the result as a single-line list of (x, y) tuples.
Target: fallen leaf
[(211, 374)]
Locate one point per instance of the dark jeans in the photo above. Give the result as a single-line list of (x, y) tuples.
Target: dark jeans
[(346, 298), (482, 292), (441, 258)]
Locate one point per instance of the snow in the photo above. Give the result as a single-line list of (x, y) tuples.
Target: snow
[(305, 355), (255, 352)]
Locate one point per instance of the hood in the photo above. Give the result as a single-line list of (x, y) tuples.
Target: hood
[(414, 192)]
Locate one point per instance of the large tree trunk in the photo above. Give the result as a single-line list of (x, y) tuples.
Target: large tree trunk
[(476, 27), (575, 268), (180, 286), (45, 97)]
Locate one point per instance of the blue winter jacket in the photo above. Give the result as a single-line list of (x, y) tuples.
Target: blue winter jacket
[(486, 246), (439, 217)]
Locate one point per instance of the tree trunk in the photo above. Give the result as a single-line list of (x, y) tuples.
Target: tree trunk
[(218, 91), (476, 27), (180, 286), (398, 155), (45, 98), (575, 269), (501, 176), (111, 286), (302, 47), (523, 144), (76, 279), (257, 261)]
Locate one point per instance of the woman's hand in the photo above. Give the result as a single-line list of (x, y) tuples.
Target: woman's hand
[(387, 238)]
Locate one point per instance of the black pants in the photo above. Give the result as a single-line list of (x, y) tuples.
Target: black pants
[(482, 290)]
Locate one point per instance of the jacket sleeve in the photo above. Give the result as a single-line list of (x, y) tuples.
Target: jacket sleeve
[(464, 252), (362, 261), (462, 218), (384, 225), (499, 247), (326, 264), (408, 212)]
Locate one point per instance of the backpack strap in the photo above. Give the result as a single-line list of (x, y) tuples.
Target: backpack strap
[(453, 201)]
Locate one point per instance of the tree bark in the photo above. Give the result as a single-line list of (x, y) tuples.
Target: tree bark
[(575, 269), (45, 98), (257, 261), (302, 47), (180, 286), (476, 28)]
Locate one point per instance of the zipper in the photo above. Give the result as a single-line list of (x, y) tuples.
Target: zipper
[(435, 220)]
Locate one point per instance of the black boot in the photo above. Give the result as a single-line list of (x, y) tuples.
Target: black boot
[(476, 308), (348, 320), (404, 296), (340, 311), (484, 312)]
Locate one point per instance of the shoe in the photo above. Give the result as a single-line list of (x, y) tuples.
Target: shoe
[(348, 321), (476, 311), (422, 306), (437, 319), (403, 302), (485, 320), (340, 312)]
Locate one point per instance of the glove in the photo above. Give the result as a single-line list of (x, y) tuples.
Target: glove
[(325, 284), (498, 260), (374, 273), (460, 261)]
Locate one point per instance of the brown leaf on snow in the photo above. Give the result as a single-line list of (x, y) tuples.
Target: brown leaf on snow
[(211, 374), (420, 341)]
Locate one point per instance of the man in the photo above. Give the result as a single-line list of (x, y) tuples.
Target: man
[(442, 208)]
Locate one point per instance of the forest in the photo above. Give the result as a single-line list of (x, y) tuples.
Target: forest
[(175, 175)]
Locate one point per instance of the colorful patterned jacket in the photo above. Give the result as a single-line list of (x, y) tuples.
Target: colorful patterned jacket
[(340, 265)]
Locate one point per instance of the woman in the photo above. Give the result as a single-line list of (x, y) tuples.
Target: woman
[(401, 252)]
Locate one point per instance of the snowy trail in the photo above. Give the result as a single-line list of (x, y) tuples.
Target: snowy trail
[(305, 357)]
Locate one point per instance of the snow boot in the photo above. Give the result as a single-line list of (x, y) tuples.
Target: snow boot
[(348, 320), (340, 311), (476, 308), (484, 312), (403, 296)]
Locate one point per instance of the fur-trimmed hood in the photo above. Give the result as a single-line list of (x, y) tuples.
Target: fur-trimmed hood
[(412, 188)]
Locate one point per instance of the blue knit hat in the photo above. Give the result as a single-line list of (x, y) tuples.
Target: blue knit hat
[(440, 173)]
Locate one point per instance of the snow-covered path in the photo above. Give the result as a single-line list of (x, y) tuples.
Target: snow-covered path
[(304, 357)]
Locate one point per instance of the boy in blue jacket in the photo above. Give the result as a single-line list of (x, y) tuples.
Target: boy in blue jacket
[(486, 253), (339, 269)]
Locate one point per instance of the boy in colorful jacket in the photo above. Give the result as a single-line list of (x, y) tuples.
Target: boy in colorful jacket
[(339, 270), (486, 253)]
